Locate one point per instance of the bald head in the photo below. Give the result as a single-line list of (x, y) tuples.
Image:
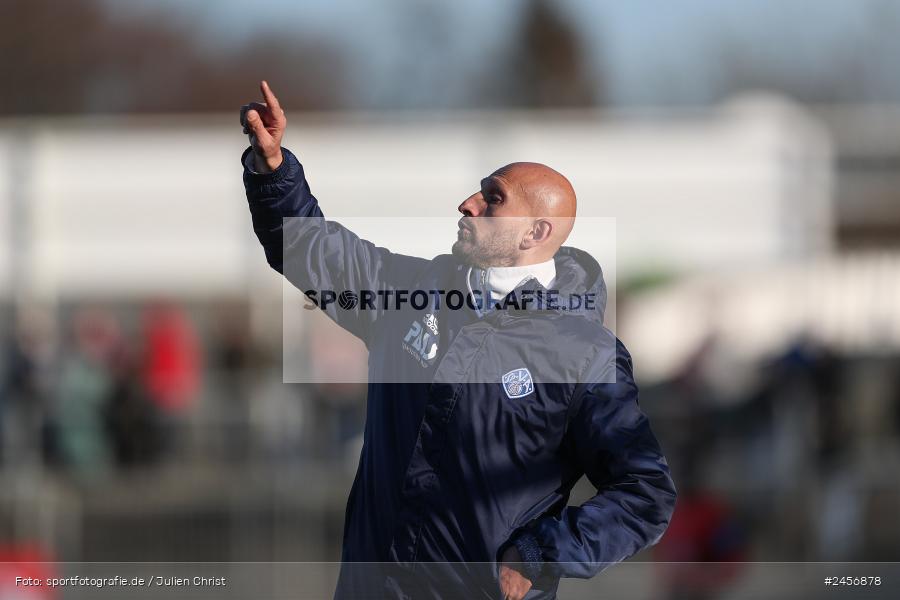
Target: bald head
[(546, 191), (538, 207)]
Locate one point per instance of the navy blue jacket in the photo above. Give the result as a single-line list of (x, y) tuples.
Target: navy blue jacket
[(456, 465)]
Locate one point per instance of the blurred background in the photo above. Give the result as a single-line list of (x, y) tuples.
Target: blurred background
[(749, 152)]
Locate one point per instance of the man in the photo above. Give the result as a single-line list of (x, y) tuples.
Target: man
[(479, 422)]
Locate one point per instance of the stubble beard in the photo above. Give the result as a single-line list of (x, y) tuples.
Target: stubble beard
[(499, 250)]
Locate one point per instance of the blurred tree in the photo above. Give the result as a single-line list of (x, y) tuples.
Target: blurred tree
[(74, 57), (546, 65)]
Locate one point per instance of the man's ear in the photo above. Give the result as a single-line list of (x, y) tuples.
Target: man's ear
[(539, 233)]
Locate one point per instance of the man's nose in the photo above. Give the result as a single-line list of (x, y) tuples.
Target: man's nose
[(473, 206)]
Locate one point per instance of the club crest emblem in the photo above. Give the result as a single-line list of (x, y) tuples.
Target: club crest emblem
[(518, 383)]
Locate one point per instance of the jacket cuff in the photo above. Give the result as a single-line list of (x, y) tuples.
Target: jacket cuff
[(288, 165), (530, 552)]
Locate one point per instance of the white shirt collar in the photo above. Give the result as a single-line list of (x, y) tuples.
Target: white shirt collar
[(502, 280)]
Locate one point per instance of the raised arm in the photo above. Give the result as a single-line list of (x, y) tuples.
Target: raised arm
[(312, 253)]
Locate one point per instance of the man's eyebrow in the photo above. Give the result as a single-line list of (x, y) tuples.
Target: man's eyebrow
[(490, 183)]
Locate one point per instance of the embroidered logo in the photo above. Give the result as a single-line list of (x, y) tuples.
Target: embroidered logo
[(518, 383)]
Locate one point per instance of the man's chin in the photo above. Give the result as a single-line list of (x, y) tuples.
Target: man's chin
[(461, 250), (469, 255)]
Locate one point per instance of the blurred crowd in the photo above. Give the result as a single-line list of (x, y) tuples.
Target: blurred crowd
[(88, 396), (789, 459), (89, 390)]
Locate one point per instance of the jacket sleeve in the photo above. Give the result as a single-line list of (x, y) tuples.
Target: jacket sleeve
[(613, 444), (316, 255)]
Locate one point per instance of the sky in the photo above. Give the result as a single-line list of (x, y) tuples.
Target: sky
[(648, 51)]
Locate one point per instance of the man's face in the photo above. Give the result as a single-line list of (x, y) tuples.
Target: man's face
[(494, 241)]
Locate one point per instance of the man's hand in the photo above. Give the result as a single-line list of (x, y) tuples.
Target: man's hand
[(264, 122), (513, 584)]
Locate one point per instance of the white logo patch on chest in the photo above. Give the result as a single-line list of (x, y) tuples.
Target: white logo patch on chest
[(422, 342), (518, 383)]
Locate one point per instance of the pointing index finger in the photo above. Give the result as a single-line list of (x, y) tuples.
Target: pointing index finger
[(268, 96)]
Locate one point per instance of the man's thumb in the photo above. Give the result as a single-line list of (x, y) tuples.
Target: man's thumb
[(255, 122)]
